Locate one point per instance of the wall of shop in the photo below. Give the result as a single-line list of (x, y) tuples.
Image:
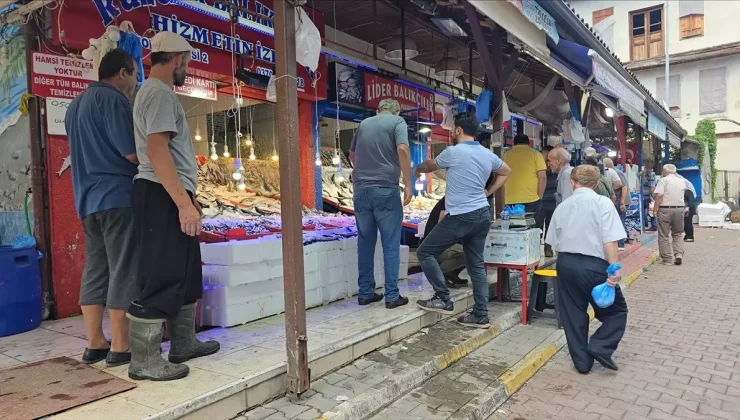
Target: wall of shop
[(15, 138)]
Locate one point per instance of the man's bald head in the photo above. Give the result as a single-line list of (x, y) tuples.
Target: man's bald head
[(585, 176)]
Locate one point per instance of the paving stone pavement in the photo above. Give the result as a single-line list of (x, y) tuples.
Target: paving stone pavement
[(680, 356)]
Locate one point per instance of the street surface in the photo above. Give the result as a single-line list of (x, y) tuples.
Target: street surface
[(680, 356)]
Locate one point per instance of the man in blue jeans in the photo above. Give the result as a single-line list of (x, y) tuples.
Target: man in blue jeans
[(380, 154), (467, 221)]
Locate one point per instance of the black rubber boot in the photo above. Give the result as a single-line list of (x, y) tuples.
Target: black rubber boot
[(184, 345), (146, 361)]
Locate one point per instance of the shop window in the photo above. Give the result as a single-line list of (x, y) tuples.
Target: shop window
[(603, 22), (713, 91), (646, 34), (674, 102), (691, 14)]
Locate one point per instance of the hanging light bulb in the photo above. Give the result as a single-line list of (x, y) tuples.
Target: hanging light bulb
[(251, 154), (335, 160), (242, 186), (340, 177), (214, 155), (318, 159), (274, 156), (419, 185), (226, 151), (236, 175), (423, 177), (248, 142), (197, 135)]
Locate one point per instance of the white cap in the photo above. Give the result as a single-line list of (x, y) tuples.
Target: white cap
[(589, 152), (170, 42)]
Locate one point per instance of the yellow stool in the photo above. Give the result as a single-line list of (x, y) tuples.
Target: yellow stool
[(538, 295)]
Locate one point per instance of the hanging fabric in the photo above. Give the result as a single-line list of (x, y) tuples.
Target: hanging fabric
[(448, 116), (540, 98), (131, 43), (505, 114), (483, 105)]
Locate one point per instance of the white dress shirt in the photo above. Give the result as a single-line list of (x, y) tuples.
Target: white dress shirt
[(583, 223)]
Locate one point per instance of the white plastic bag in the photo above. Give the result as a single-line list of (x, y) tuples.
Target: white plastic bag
[(448, 117), (307, 40), (271, 90)]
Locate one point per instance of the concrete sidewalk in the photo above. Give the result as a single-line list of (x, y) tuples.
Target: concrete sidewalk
[(419, 377)]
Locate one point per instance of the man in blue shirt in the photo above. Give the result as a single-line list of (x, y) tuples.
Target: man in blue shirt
[(100, 130), (468, 218)]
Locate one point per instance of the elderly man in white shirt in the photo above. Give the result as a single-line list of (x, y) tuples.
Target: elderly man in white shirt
[(584, 231), (669, 206)]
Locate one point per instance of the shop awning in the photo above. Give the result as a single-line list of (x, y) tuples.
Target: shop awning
[(510, 18), (572, 55)]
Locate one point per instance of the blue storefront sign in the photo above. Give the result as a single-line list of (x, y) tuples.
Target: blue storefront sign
[(656, 126)]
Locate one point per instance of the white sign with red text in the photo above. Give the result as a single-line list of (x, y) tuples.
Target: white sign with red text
[(195, 87), (60, 77), (56, 110)]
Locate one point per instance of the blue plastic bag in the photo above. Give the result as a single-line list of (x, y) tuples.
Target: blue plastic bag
[(516, 209), (483, 105), (604, 294)]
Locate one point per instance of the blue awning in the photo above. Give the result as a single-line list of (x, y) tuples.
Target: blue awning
[(572, 55)]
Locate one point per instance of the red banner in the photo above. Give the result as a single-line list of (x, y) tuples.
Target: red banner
[(55, 76), (195, 87), (409, 97), (204, 23)]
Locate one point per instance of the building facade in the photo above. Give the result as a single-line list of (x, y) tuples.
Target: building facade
[(704, 58)]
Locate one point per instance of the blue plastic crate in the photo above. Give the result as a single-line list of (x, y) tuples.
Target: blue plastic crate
[(20, 290)]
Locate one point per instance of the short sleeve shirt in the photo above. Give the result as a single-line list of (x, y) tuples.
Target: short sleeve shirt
[(672, 189), (157, 110), (100, 131), (584, 223), (522, 185), (376, 155), (469, 165)]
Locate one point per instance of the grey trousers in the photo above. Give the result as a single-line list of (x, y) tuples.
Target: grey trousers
[(451, 260), (670, 225)]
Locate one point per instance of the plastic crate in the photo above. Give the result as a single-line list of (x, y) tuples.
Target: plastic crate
[(20, 290)]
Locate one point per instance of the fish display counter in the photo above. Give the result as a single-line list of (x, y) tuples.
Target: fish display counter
[(241, 247)]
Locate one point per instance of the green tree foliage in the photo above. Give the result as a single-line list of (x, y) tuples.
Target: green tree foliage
[(706, 134), (12, 41)]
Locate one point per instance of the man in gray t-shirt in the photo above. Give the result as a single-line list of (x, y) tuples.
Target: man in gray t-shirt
[(380, 154), (166, 220)]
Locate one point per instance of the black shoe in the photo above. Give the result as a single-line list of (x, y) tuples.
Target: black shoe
[(436, 304), (377, 297), (91, 356), (401, 301), (678, 260), (115, 358), (474, 321), (607, 362)]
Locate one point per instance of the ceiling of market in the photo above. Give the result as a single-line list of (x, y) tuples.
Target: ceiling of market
[(379, 20)]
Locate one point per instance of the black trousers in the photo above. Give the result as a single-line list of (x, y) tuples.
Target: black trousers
[(688, 225), (577, 276), (169, 264)]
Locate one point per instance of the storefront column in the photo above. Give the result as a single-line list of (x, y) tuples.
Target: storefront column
[(621, 124), (296, 340), (306, 147)]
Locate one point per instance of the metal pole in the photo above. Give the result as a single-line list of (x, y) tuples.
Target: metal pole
[(290, 199), (667, 60), (403, 39)]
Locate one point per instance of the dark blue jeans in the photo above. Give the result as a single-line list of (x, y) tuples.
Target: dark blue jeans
[(470, 230), (378, 209), (623, 217)]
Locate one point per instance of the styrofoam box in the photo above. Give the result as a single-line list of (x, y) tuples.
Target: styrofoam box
[(512, 247), (711, 221), (242, 252)]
